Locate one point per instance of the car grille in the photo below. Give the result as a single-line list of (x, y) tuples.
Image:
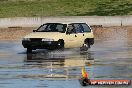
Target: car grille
[(36, 39)]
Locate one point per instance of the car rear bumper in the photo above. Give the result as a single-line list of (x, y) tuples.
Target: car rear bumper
[(39, 44)]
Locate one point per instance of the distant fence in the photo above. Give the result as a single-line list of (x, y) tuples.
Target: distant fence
[(91, 20)]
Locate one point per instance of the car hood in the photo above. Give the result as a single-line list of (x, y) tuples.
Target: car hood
[(50, 35)]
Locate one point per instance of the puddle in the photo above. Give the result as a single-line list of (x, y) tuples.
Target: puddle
[(109, 58)]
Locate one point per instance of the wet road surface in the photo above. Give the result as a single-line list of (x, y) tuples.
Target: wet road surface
[(107, 59)]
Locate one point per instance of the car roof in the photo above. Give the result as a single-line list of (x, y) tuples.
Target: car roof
[(53, 23), (66, 23), (77, 23)]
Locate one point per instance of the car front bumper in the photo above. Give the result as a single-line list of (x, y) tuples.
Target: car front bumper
[(39, 44)]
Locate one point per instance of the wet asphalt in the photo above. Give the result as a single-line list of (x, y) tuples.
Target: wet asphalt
[(106, 59)]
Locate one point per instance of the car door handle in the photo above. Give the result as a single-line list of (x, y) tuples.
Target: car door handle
[(75, 35), (83, 34)]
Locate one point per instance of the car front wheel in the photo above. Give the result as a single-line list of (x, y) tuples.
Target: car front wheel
[(61, 44)]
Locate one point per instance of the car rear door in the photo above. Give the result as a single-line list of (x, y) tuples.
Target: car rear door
[(83, 32), (80, 34)]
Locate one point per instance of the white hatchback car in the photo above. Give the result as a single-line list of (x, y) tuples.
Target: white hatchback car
[(58, 35)]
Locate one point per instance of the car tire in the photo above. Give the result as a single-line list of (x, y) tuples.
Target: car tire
[(84, 48), (29, 50), (60, 44), (87, 42)]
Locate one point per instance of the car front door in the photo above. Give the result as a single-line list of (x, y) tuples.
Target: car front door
[(71, 39)]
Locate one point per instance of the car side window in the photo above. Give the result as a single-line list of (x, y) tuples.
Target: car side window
[(79, 28), (86, 28)]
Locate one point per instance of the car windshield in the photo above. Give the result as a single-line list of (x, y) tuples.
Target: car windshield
[(52, 27)]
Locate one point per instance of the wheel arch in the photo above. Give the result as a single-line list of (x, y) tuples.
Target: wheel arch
[(62, 40), (89, 40), (61, 43)]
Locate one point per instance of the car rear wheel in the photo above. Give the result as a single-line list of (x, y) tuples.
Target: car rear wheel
[(84, 47), (87, 42)]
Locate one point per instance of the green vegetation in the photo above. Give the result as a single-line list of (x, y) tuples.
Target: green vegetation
[(29, 8)]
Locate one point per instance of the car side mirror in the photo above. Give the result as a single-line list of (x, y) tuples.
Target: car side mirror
[(34, 30)]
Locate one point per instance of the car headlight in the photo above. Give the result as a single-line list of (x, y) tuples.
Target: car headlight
[(45, 39), (26, 39)]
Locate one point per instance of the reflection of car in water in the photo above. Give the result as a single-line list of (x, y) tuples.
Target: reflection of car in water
[(60, 59), (58, 35), (60, 62)]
